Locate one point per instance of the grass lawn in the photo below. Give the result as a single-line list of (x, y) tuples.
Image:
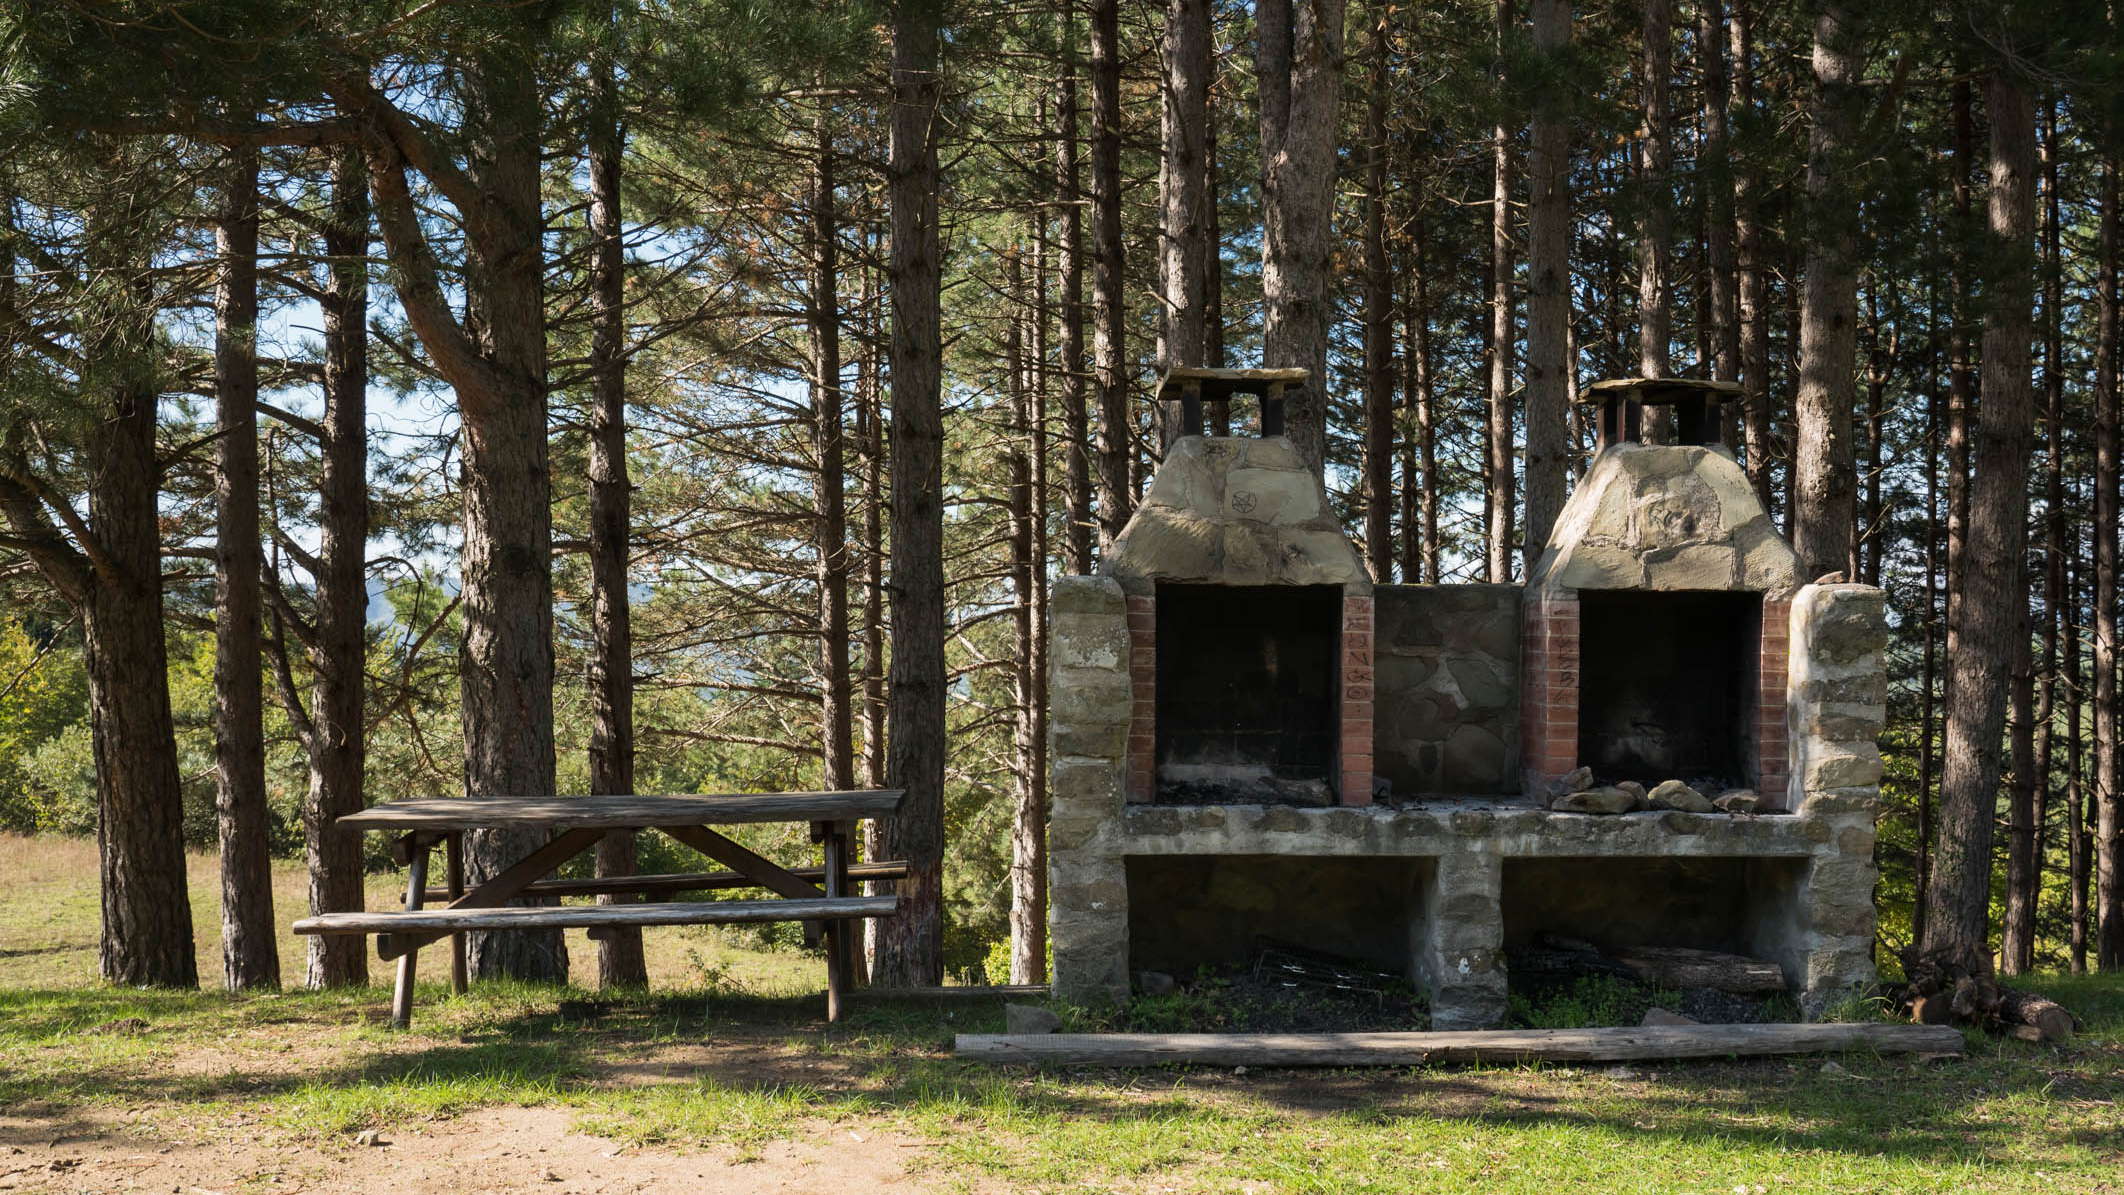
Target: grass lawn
[(725, 1077)]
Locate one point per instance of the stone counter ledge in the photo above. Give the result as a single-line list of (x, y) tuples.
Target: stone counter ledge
[(1506, 830)]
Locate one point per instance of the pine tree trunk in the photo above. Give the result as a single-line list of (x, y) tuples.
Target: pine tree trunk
[(1028, 835), (1722, 281), (1069, 267), (1961, 375), (338, 659), (1182, 194), (2108, 797), (870, 431), (1991, 612), (147, 916), (1298, 67), (2076, 844), (1117, 492), (1218, 414), (1420, 491), (1753, 290), (1929, 673), (1548, 284), (1378, 317), (1499, 338), (2017, 929), (1822, 475), (830, 525), (1655, 226), (506, 667), (910, 945), (250, 951), (496, 363), (620, 962)]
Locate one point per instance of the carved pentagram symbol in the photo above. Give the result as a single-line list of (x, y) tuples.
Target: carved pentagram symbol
[(1243, 502)]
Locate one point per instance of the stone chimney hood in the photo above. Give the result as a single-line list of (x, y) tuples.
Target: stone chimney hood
[(1234, 510), (1663, 516)]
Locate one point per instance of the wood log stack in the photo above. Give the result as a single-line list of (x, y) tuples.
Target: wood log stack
[(1938, 994)]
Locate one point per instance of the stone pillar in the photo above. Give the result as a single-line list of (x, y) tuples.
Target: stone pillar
[(1836, 897), (1457, 951), (1836, 701), (1837, 693), (1355, 697), (1091, 703)]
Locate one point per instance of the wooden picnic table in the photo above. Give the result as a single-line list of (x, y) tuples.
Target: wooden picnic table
[(821, 895)]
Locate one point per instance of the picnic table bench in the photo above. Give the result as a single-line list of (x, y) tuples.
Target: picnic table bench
[(821, 895)]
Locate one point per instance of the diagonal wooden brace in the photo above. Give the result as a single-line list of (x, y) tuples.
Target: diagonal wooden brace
[(501, 889)]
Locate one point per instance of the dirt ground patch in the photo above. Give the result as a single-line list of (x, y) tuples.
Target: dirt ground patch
[(489, 1150)]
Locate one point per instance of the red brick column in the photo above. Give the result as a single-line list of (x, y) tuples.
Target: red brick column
[(1356, 700), (1773, 758), (1143, 683), (1548, 699)]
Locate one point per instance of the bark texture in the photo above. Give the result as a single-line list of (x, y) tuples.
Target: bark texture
[(1823, 482), (910, 946), (1298, 67), (2108, 769), (1183, 191), (1117, 495), (1378, 314), (620, 962), (1989, 620), (338, 736), (1498, 486), (250, 950), (1548, 281), (496, 364)]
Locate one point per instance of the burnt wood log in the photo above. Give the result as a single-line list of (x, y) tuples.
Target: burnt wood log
[(2036, 1011), (1680, 967), (1559, 957)]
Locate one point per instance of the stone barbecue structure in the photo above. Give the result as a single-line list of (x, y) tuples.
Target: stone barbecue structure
[(1252, 739)]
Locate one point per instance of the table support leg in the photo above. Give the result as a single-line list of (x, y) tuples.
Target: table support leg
[(454, 862), (416, 889), (836, 883)]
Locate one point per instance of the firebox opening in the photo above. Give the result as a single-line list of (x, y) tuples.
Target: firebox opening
[(1246, 706), (1735, 905), (1667, 685)]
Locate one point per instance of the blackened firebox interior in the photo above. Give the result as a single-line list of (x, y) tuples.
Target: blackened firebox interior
[(1246, 705), (1667, 685)]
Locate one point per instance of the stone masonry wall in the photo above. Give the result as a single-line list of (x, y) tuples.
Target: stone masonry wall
[(1090, 700), (1836, 703), (1447, 715)]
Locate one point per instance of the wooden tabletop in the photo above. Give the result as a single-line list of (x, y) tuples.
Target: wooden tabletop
[(616, 812)]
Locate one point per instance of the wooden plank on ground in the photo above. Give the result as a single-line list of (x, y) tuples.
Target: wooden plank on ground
[(1481, 1045), (718, 912), (622, 812)]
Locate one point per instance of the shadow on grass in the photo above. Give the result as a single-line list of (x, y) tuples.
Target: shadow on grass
[(697, 1067)]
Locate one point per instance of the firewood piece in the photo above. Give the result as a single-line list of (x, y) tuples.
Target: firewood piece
[(1680, 967), (2036, 1011), (1544, 962), (1482, 1045), (1931, 1010)]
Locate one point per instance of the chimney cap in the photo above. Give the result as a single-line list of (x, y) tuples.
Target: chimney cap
[(1658, 392), (1214, 384)]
